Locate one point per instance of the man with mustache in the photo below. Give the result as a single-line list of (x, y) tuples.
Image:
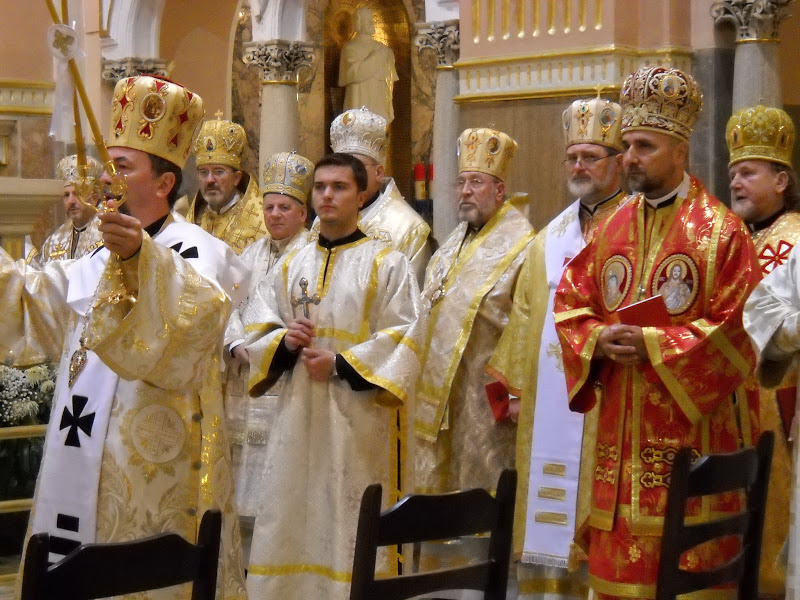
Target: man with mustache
[(79, 234), (765, 194), (227, 205), (657, 388), (464, 432), (528, 362)]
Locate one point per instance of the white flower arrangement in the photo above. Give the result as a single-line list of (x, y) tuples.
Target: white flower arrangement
[(26, 394)]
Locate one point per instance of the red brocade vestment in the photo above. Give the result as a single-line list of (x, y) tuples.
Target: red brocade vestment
[(698, 256)]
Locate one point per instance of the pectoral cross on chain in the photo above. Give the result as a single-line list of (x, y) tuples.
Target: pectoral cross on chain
[(304, 300)]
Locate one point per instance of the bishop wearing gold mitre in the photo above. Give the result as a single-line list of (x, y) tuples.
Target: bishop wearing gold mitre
[(764, 193), (137, 442), (228, 204), (661, 376), (554, 445)]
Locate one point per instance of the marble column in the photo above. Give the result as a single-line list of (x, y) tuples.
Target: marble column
[(280, 61), (756, 71), (442, 37), (115, 69)]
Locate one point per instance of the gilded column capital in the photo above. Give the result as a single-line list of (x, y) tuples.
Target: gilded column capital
[(442, 37), (115, 69), (755, 20), (280, 61)]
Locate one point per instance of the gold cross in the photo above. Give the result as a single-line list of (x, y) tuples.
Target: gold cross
[(218, 115)]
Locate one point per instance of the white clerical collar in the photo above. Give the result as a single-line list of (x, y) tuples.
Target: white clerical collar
[(228, 206), (679, 192)]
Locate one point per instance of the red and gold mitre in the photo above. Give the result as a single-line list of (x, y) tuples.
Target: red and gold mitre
[(156, 116), (760, 133), (67, 169), (595, 121), (290, 174), (660, 99), (220, 142), (360, 131), (487, 151)]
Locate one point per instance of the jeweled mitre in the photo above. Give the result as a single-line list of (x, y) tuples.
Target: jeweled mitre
[(662, 99), (760, 133), (486, 150), (288, 173), (156, 116), (220, 142), (360, 131), (595, 121), (67, 169)]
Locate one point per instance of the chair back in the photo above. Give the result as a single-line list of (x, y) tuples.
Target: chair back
[(103, 570), (420, 518), (747, 470)]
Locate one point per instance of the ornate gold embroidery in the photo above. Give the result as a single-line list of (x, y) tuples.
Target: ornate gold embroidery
[(652, 480), (605, 475), (555, 469), (607, 452)]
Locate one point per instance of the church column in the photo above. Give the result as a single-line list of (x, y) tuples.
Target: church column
[(280, 61), (756, 71), (443, 38)]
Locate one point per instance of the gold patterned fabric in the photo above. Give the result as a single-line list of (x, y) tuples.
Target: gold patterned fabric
[(249, 419), (486, 150), (66, 242), (468, 290), (327, 441), (771, 411), (165, 457), (760, 133), (392, 221), (517, 362), (239, 226)]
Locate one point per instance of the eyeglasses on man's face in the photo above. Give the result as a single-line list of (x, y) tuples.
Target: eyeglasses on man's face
[(215, 173), (587, 160)]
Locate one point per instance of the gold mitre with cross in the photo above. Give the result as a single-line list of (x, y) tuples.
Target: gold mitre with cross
[(156, 116), (595, 121), (360, 131), (68, 170), (661, 99), (487, 151), (290, 174), (220, 142), (760, 133)]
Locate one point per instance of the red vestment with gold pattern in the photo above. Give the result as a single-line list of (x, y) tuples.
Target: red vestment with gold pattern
[(699, 257)]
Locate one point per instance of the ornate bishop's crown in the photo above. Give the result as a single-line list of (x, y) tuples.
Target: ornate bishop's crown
[(220, 142), (288, 173), (156, 116), (594, 121), (760, 133), (67, 169), (486, 151), (360, 131), (660, 99)]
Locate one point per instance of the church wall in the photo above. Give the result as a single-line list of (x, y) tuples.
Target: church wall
[(195, 35)]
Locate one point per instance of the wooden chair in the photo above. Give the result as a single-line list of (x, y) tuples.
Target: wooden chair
[(102, 570), (422, 518), (747, 470)]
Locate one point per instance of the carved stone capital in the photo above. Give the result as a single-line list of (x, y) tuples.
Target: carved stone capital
[(115, 69), (279, 60), (754, 19), (442, 37)]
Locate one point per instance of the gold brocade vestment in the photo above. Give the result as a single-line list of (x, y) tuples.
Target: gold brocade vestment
[(328, 441), (249, 419), (773, 410), (681, 396), (66, 242), (239, 226), (390, 219), (165, 458), (468, 291), (517, 362)]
